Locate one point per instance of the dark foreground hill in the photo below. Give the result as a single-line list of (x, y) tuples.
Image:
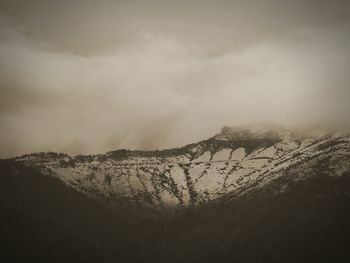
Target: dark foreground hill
[(307, 223), (43, 220)]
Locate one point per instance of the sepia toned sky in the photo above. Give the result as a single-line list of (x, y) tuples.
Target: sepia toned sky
[(93, 76)]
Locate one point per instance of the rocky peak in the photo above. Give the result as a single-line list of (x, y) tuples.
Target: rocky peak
[(252, 131)]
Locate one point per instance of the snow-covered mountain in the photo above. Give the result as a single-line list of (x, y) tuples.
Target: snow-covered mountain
[(257, 193), (228, 165)]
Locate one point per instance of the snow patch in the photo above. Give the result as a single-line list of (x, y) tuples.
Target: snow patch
[(238, 154), (205, 157), (267, 153), (222, 155)]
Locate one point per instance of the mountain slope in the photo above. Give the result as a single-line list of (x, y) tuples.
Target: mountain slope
[(245, 195), (42, 220), (232, 162), (309, 222)]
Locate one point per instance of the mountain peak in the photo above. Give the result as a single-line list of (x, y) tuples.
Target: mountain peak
[(251, 131)]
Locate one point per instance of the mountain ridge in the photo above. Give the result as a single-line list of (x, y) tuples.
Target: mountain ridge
[(249, 199), (230, 163)]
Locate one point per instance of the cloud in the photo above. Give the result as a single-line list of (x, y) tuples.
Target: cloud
[(163, 90)]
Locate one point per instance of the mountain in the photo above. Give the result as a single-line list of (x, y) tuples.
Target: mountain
[(230, 163), (255, 193)]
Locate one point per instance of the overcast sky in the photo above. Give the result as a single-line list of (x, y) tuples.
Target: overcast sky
[(93, 76)]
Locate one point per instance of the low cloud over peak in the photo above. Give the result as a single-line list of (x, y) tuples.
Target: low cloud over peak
[(146, 78)]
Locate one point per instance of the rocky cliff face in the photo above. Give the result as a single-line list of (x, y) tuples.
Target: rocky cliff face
[(228, 165)]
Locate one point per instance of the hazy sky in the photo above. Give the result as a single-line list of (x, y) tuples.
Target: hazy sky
[(93, 76)]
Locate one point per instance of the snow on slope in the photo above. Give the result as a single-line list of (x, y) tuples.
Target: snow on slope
[(192, 176)]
